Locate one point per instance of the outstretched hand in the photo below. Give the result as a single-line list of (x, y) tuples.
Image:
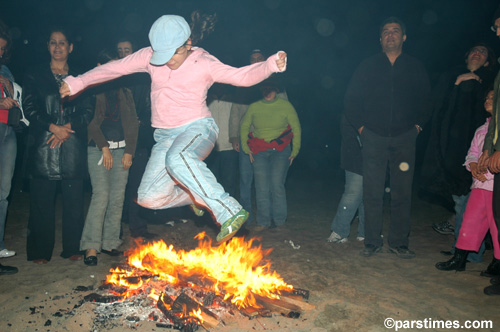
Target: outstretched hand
[(281, 62), (64, 90)]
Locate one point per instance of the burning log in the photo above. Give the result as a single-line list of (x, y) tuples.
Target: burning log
[(185, 304)]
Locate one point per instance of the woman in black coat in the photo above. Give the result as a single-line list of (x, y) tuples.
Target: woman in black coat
[(57, 153), (458, 112)]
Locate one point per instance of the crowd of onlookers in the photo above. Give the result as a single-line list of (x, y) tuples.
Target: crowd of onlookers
[(387, 104), (106, 132)]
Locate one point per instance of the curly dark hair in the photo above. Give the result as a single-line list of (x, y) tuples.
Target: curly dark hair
[(5, 34), (201, 26)]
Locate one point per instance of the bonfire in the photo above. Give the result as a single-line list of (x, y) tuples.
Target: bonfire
[(235, 272)]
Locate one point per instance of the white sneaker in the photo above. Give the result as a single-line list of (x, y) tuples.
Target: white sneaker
[(335, 238), (360, 238), (6, 253)]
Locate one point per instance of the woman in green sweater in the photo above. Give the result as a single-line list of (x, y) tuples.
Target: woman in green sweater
[(272, 147)]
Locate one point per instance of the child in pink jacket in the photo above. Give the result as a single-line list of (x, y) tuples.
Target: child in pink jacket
[(185, 134), (478, 215)]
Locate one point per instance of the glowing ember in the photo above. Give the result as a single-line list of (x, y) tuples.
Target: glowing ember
[(235, 269)]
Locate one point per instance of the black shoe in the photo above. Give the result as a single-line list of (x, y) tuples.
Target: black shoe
[(370, 250), (457, 262), (492, 290), (446, 253), (493, 269), (402, 252), (90, 260), (112, 252), (444, 228), (4, 269), (495, 280)]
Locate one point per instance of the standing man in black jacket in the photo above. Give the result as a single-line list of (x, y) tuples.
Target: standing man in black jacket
[(387, 101)]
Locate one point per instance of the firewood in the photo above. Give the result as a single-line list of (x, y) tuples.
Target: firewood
[(249, 312), (277, 305), (303, 305), (185, 304)]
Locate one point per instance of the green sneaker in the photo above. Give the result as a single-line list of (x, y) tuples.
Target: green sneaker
[(196, 210), (232, 225)]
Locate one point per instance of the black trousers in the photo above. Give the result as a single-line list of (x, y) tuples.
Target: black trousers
[(131, 210), (496, 201), (41, 222), (225, 167), (397, 153)]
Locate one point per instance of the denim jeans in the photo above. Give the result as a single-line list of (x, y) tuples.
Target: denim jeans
[(350, 203), (270, 169), (460, 205), (176, 174), (8, 151), (246, 179), (102, 225)]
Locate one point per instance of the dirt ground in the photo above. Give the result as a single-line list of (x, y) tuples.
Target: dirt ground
[(349, 292)]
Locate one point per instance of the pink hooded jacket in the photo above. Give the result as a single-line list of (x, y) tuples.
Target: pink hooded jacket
[(475, 150), (178, 97)]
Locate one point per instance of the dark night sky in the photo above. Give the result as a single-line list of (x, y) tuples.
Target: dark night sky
[(325, 41)]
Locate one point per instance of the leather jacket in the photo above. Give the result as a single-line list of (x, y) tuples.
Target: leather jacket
[(42, 107)]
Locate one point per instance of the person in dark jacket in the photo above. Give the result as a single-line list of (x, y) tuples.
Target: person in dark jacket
[(352, 198), (458, 111), (387, 102), (57, 153)]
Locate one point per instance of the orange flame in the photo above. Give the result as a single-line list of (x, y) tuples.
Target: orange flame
[(197, 314), (235, 269), (153, 295)]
